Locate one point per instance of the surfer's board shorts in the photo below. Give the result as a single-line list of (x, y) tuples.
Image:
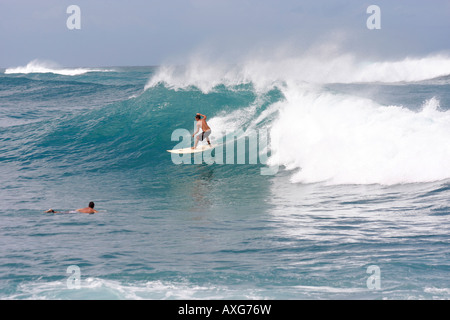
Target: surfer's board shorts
[(205, 134)]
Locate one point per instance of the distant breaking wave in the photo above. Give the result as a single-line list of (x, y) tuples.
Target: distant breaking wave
[(37, 66), (310, 68)]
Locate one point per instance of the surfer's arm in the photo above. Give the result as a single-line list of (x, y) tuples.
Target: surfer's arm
[(202, 115), (198, 128)]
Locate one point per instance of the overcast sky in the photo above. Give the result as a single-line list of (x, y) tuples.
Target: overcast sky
[(151, 32)]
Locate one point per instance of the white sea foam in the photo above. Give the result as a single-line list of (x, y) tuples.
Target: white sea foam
[(343, 139), (102, 289), (37, 66)]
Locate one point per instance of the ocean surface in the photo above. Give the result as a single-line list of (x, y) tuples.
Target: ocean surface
[(357, 206)]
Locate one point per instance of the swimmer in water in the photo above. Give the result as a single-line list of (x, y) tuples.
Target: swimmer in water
[(89, 209)]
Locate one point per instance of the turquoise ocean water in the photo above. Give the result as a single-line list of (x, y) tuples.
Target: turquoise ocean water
[(363, 180)]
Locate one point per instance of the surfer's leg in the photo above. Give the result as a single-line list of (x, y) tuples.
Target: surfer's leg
[(196, 142), (206, 135)]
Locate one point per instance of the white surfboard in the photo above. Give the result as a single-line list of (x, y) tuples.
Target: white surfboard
[(189, 150)]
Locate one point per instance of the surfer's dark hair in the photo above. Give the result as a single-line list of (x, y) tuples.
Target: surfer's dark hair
[(197, 116), (91, 205)]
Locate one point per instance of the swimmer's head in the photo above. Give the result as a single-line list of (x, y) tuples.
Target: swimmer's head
[(91, 205)]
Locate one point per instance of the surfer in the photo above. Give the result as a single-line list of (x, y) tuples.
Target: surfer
[(206, 130), (89, 209)]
